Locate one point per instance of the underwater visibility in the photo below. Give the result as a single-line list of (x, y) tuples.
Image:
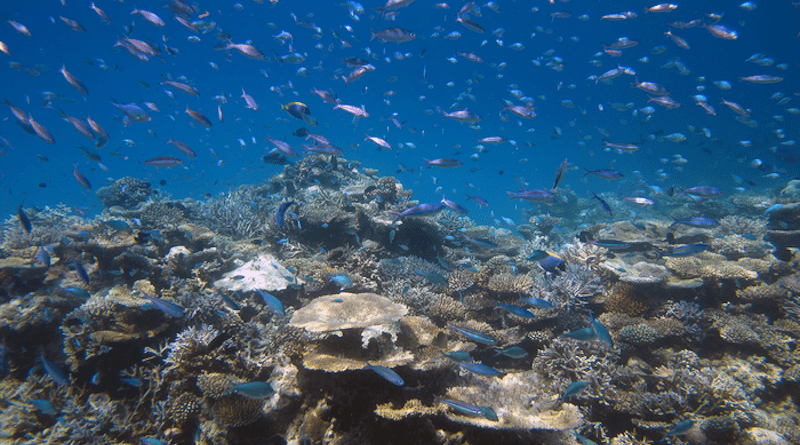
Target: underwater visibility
[(400, 222)]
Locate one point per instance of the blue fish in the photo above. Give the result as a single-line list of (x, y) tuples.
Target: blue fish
[(537, 302), (391, 376), (481, 369), (552, 264), (253, 390), (574, 389), (343, 281), (229, 301), (686, 250), (435, 278), (459, 356), (481, 242), (5, 366), (53, 371), (167, 307), (84, 276), (454, 206), (585, 334), (469, 409), (512, 352), (280, 215), (601, 332), (519, 311), (476, 336), (538, 255), (603, 204), (43, 255), (136, 383), (604, 173), (44, 407), (275, 306), (681, 428)]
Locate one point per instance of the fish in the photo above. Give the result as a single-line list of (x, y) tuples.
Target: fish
[(574, 389), (283, 147), (41, 131), (462, 116), (355, 111), (133, 111), (275, 306), (251, 103), (82, 180), (454, 206), (680, 428), (197, 117), (610, 244), (621, 147), (342, 280), (246, 50), (512, 352), (73, 81), (252, 390), (560, 173), (164, 161), (183, 87), (393, 34), (280, 215), (82, 274), (604, 173), (420, 210), (584, 334), (150, 17), (703, 191), (519, 311), (541, 196), (482, 242), (53, 371), (685, 250), (604, 205), (481, 369), (443, 163), (469, 409), (184, 148), (696, 221), (459, 356), (479, 200), (166, 307), (24, 221), (389, 375), (476, 336), (601, 332), (537, 302), (433, 277)]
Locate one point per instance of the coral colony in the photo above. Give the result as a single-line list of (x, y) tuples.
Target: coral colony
[(246, 319)]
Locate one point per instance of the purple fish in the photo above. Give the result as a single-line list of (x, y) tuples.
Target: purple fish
[(443, 163), (697, 221), (604, 173), (133, 111), (420, 210), (543, 196), (703, 191), (164, 161), (479, 200), (80, 178)]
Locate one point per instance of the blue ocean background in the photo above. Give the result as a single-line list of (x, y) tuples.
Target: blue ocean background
[(770, 29)]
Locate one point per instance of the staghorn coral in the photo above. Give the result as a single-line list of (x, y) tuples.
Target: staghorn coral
[(460, 280), (743, 226)]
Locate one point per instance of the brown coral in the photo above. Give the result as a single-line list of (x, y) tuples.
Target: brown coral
[(214, 385), (509, 283), (183, 408), (235, 410), (446, 309), (626, 298)]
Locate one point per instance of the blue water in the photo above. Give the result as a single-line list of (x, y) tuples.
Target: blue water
[(771, 29)]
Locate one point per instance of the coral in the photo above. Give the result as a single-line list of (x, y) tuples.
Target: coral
[(347, 311), (588, 255), (695, 267), (761, 436), (214, 385), (525, 403), (742, 226), (445, 309), (460, 280), (244, 213), (263, 272), (638, 273), (721, 429), (736, 246), (125, 192), (626, 298), (638, 334), (235, 410), (183, 408), (509, 283), (763, 292), (162, 214)]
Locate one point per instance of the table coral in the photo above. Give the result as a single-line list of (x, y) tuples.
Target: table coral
[(347, 311)]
